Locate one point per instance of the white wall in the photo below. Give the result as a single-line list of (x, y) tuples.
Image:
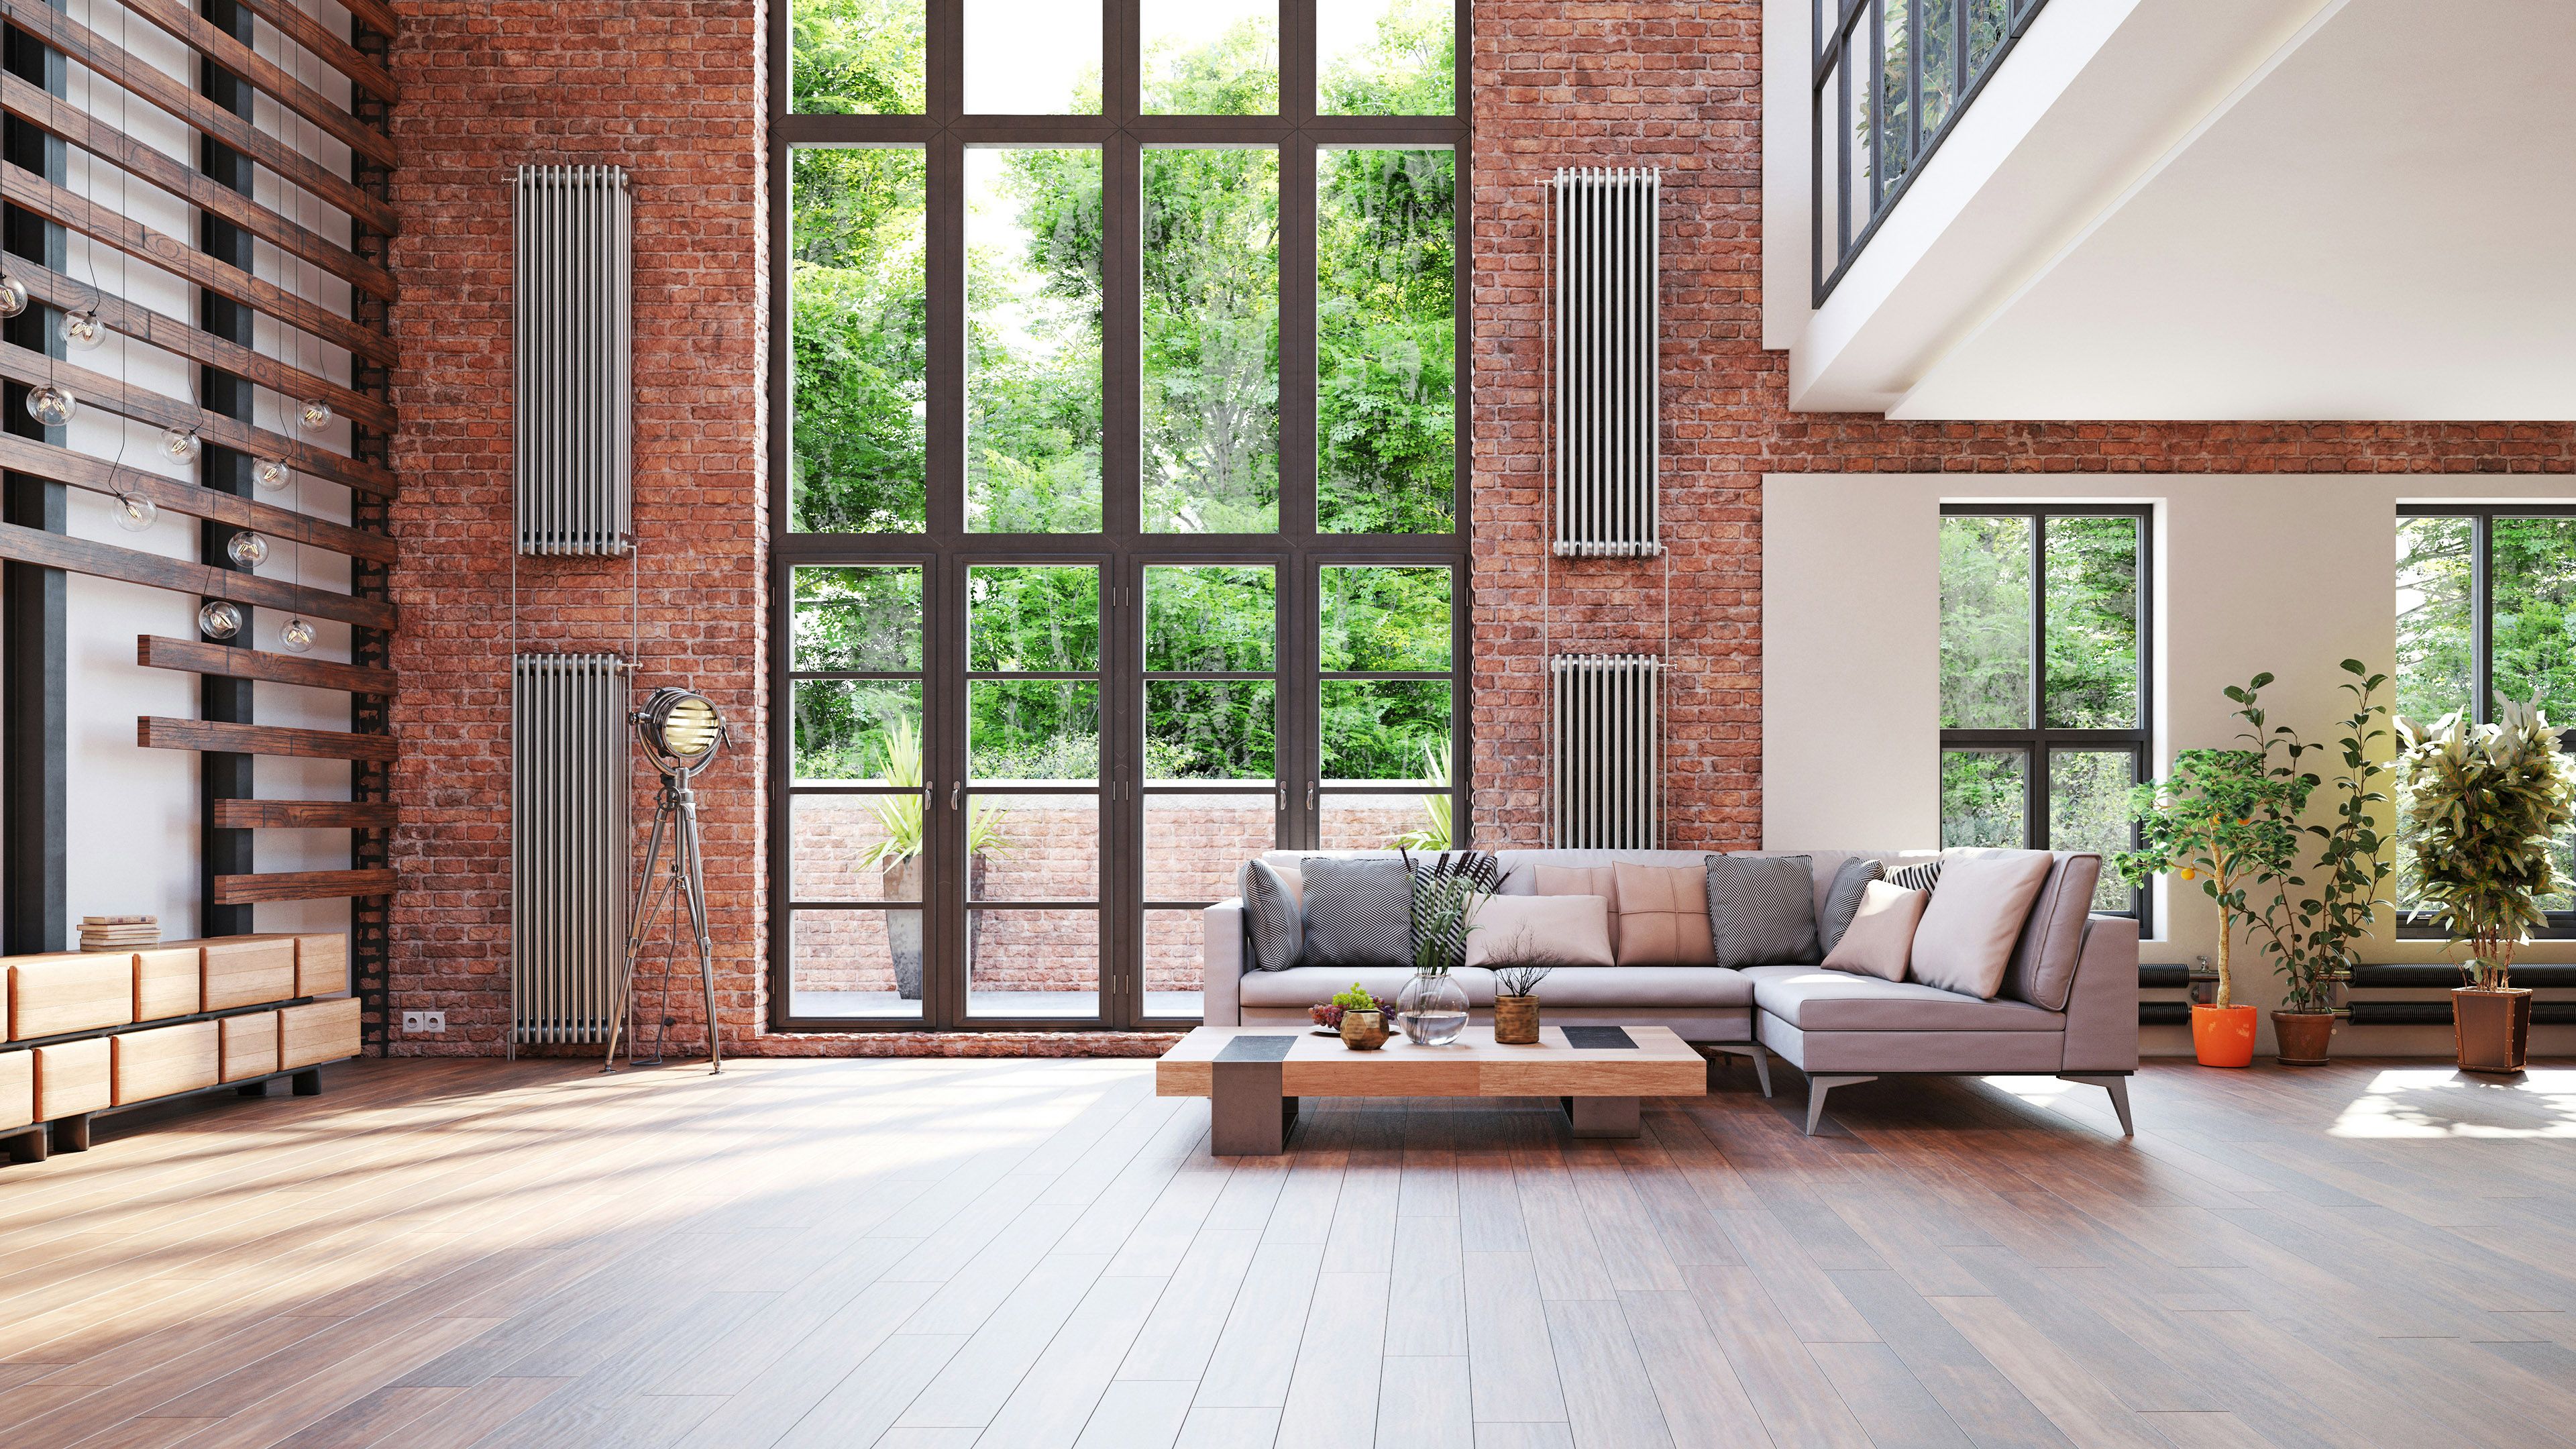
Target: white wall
[(2288, 574)]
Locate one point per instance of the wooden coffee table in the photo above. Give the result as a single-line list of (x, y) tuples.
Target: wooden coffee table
[(1252, 1076)]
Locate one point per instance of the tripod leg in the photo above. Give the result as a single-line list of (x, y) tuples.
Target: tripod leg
[(697, 889), (621, 1001)]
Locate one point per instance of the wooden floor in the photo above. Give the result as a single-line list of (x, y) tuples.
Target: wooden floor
[(1003, 1253)]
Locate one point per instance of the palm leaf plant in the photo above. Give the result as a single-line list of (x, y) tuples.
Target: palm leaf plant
[(2487, 801), (1435, 832), (900, 817)]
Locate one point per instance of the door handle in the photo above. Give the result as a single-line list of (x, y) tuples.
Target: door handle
[(1283, 799), (1310, 795), (955, 788)]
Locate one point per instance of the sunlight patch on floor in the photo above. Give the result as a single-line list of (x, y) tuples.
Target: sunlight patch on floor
[(2444, 1102)]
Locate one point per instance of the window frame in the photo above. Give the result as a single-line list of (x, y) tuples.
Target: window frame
[(944, 548), (2037, 740)]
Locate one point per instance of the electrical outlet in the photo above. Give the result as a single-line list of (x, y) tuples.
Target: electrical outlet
[(424, 1023)]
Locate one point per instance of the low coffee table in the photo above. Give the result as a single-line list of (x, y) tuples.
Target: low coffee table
[(1252, 1076)]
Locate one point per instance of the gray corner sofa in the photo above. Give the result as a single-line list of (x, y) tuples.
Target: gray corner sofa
[(2068, 1007)]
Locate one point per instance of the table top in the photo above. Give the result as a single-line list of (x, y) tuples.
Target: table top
[(1311, 1064)]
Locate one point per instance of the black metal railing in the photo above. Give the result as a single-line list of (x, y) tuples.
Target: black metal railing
[(1891, 78)]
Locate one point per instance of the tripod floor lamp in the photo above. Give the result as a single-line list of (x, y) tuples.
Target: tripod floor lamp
[(681, 732)]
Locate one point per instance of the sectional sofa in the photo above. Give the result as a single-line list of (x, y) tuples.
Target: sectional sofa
[(2068, 1006)]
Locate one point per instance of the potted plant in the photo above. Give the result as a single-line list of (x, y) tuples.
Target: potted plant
[(1432, 1007), (897, 857), (2486, 801), (1435, 831), (1516, 1002), (1363, 1021)]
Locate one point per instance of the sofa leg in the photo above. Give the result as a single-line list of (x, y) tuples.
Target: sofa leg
[(1761, 1059), (1817, 1087), (2118, 1087)]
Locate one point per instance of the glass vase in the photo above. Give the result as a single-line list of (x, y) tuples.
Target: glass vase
[(1432, 1009)]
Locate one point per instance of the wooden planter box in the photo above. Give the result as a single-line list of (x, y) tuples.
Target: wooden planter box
[(166, 982), (74, 991), (17, 1090), (167, 1059), (250, 1045), (248, 970), (72, 1078), (322, 1031)]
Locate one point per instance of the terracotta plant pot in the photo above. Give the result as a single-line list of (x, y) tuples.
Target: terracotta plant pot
[(2491, 1030), (1363, 1031), (1516, 1020), (2303, 1036), (2222, 1036)]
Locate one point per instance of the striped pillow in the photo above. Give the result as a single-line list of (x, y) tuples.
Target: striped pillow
[(1923, 875)]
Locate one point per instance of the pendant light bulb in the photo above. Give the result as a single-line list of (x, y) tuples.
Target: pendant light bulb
[(83, 330), (135, 513), (219, 619), (315, 415), (295, 635), (181, 445), (49, 405), (247, 550), (13, 294), (270, 474)]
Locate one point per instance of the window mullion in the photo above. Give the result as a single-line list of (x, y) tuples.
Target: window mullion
[(2482, 616), (1297, 163)]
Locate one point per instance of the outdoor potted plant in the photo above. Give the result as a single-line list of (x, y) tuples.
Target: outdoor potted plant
[(897, 857), (2486, 801), (1363, 1019)]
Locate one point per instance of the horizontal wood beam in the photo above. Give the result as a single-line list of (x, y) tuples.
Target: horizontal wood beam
[(302, 885), (54, 115), (29, 366), (160, 732), (198, 345), (202, 36), (376, 15), (162, 89), (160, 571), (172, 255), (303, 815), (340, 55), (23, 455), (154, 651)]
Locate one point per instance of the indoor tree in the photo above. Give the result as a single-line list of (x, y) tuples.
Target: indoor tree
[(2487, 802)]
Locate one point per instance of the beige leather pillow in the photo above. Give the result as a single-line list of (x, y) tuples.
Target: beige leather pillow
[(1662, 916), (1880, 939), (1541, 930), (1965, 940), (1584, 880)]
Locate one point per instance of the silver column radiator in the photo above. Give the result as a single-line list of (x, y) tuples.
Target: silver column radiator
[(1609, 735), (572, 355), (569, 843), (1605, 231)]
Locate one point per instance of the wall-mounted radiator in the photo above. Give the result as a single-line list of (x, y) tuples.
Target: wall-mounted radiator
[(569, 844), (573, 353), (1609, 735), (1607, 256)]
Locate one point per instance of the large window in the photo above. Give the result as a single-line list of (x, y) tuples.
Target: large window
[(1116, 480), (2486, 605), (2044, 707)]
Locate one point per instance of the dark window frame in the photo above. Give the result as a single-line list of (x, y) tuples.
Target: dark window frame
[(2036, 741), (945, 549)]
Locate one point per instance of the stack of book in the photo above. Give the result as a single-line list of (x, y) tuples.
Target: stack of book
[(119, 933)]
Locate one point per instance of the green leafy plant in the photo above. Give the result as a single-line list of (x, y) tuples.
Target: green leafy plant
[(2486, 801), (1444, 912), (1356, 999), (900, 816), (1434, 834), (2310, 937)]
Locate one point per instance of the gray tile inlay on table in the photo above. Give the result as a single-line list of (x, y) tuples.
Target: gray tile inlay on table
[(1257, 1049)]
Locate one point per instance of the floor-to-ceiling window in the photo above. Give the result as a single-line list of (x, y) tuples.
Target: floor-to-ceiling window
[(1119, 410)]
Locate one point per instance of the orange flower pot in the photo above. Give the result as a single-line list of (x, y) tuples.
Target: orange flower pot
[(2223, 1036)]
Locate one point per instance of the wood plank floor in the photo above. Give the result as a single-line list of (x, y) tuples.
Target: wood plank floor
[(1019, 1254)]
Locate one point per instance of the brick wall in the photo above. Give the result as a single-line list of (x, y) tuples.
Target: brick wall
[(1678, 85)]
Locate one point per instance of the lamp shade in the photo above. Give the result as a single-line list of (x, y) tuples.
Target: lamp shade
[(680, 728)]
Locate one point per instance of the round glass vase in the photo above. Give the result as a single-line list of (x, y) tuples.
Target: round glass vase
[(1432, 1008)]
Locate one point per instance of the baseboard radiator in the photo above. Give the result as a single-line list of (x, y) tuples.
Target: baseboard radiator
[(572, 357), (569, 841), (1607, 412), (1609, 750)]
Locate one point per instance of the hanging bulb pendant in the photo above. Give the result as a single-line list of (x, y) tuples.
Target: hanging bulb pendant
[(83, 330), (316, 414), (295, 636), (271, 474), (13, 294), (247, 550), (49, 405), (219, 619), (135, 513), (181, 445)]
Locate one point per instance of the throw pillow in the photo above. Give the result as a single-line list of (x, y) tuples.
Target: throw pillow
[(1922, 875), (1358, 912), (1584, 880), (1762, 909), (1270, 916), (1880, 940), (1478, 868), (1541, 931), (1965, 940), (1843, 900), (1662, 916)]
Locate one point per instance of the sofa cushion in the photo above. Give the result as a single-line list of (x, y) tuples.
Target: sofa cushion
[(1966, 938), (1299, 987), (1880, 941), (2043, 963), (1662, 915), (1843, 898), (1577, 880), (1646, 986), (1762, 909), (1271, 916), (1358, 913), (1811, 998), (1541, 930)]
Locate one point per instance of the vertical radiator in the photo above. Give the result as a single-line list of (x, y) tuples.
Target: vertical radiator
[(1607, 257), (569, 843), (572, 360), (1609, 732)]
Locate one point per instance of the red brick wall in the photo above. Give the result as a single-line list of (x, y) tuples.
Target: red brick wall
[(1678, 85)]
